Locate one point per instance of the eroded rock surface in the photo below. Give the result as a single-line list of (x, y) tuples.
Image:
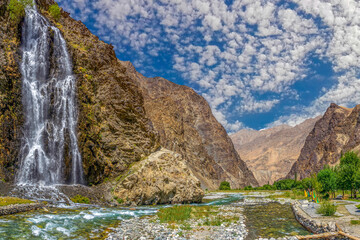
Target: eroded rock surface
[(270, 153), (187, 126), (337, 132), (161, 178)]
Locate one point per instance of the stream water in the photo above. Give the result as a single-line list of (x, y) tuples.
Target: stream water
[(91, 222)]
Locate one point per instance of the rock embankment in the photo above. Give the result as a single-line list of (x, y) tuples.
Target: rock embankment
[(17, 208), (315, 226), (161, 178)]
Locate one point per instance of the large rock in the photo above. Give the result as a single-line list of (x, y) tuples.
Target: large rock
[(270, 153), (161, 178), (187, 126), (337, 132)]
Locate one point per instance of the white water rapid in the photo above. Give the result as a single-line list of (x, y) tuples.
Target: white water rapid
[(49, 151)]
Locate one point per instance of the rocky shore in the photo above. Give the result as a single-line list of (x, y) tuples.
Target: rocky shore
[(17, 208), (228, 224)]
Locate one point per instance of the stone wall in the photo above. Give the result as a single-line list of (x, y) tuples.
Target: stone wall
[(314, 226), (17, 208)]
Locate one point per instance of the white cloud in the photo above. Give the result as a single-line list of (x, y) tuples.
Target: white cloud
[(235, 54)]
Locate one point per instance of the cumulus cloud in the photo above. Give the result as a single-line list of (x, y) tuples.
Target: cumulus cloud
[(235, 55)]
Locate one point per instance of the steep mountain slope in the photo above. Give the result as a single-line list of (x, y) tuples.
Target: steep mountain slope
[(10, 94), (270, 153), (336, 132), (117, 112), (186, 125)]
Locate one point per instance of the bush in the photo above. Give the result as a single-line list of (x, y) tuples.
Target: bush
[(358, 206), (54, 11), (17, 9), (224, 185), (286, 184), (327, 209), (80, 199), (248, 188)]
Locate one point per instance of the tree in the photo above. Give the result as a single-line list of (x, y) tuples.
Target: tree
[(224, 185), (349, 166), (55, 11), (17, 9), (285, 184), (327, 179)]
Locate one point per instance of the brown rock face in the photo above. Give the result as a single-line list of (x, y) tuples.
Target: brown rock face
[(186, 125), (10, 94), (338, 131), (270, 153), (161, 178)]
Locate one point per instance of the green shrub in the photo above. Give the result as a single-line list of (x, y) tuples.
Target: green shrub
[(80, 199), (54, 11), (119, 200), (174, 214), (224, 185), (248, 187), (17, 9), (355, 222), (285, 184), (358, 206), (327, 209)]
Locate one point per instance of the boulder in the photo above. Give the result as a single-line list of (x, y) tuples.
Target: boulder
[(161, 178)]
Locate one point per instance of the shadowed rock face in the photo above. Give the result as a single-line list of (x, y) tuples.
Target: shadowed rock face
[(270, 153), (11, 117), (186, 125), (337, 132)]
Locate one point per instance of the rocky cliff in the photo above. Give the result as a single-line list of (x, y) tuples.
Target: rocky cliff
[(338, 131), (10, 94), (270, 153), (186, 125), (123, 118)]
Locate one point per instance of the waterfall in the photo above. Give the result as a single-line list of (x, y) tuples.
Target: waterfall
[(49, 151)]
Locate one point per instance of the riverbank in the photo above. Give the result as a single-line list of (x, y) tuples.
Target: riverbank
[(18, 208)]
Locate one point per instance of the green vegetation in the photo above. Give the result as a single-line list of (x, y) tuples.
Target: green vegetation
[(182, 213), (325, 184), (174, 214), (355, 222), (55, 11), (4, 201), (327, 209), (119, 200), (17, 8), (80, 199), (224, 186), (358, 206)]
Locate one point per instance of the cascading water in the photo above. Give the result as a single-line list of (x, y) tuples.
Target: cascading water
[(49, 153)]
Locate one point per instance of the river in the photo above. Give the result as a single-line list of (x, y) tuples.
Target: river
[(93, 222)]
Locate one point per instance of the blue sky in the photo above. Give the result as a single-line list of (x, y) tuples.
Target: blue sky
[(258, 63)]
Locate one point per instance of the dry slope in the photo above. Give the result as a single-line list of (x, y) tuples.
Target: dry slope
[(270, 153), (186, 125)]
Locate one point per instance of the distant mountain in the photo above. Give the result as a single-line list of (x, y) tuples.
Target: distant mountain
[(270, 153), (338, 131)]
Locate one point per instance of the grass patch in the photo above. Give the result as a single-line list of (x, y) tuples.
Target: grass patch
[(355, 222), (178, 214), (358, 206), (5, 201), (80, 199), (327, 209)]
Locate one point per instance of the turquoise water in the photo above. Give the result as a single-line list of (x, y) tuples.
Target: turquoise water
[(93, 222)]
